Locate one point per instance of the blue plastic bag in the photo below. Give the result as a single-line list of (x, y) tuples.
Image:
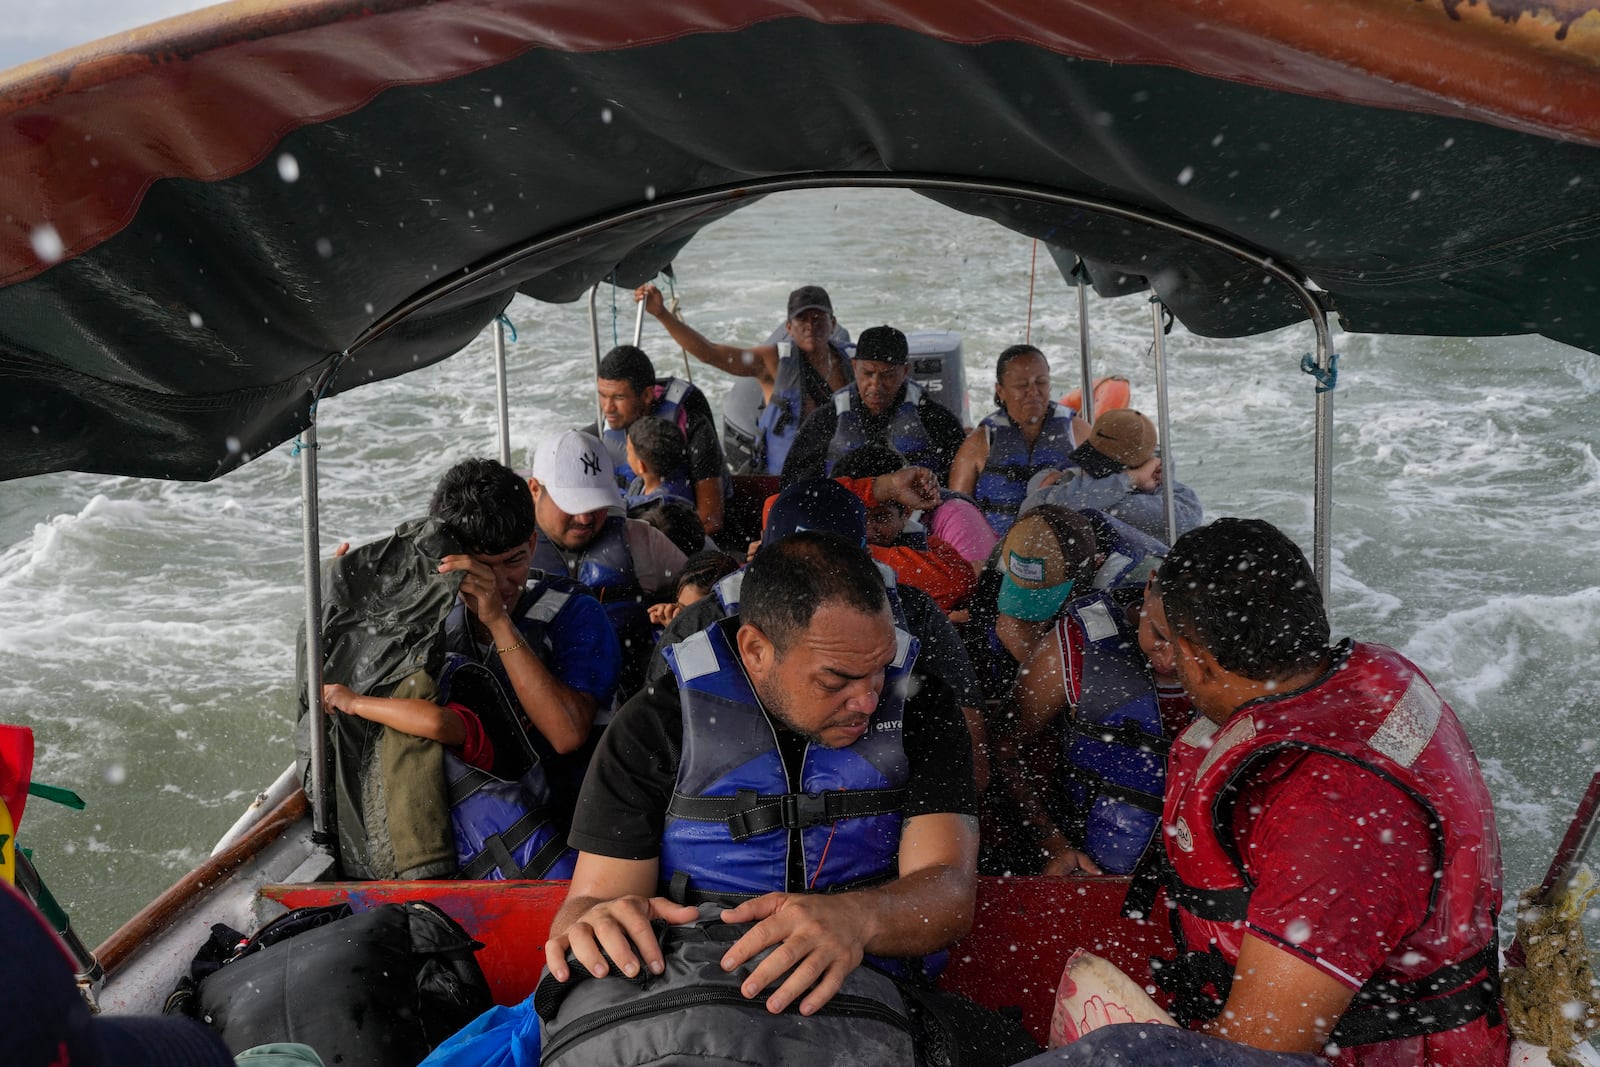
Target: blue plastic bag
[(500, 1037)]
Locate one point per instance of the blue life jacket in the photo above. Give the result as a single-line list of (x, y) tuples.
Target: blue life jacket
[(1114, 751), (728, 588), (670, 393), (1003, 482), (605, 569), (727, 832), (781, 416), (675, 488), (1131, 554), (905, 432), (501, 819)]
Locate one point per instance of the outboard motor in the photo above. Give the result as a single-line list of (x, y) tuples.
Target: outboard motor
[(936, 364)]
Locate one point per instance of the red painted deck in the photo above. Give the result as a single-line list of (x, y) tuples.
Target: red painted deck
[(1024, 932)]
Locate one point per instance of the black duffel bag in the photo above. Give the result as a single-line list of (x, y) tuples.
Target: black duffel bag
[(376, 988), (693, 1013)]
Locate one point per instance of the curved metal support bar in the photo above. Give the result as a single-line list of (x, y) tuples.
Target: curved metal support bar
[(1164, 422), (502, 404), (1087, 410), (594, 343), (920, 183)]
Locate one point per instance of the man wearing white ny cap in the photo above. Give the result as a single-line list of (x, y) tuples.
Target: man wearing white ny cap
[(581, 532)]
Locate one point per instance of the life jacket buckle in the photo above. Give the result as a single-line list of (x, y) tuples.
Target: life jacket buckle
[(801, 810)]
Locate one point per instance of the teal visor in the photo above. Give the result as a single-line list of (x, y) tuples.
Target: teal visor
[(1031, 605)]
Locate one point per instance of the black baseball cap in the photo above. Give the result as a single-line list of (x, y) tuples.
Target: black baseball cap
[(882, 344), (807, 297)]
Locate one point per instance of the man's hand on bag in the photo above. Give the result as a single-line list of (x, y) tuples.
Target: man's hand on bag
[(819, 939), (620, 929)]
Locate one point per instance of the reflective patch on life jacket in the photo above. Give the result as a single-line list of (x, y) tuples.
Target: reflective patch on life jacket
[(1410, 724), (1237, 732), (695, 657), (1097, 621)]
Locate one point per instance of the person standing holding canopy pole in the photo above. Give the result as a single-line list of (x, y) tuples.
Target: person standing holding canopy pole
[(795, 375)]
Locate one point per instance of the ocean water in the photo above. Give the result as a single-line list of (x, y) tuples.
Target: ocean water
[(148, 626)]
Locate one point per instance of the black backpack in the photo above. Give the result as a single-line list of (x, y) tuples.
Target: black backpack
[(376, 988), (693, 1013)]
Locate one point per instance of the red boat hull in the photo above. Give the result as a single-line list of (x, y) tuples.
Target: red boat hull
[(1024, 931)]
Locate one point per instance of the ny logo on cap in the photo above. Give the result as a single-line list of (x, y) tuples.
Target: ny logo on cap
[(591, 463)]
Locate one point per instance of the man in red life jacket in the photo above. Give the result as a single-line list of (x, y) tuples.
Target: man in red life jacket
[(1335, 867)]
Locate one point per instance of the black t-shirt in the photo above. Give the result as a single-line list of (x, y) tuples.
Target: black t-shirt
[(705, 448), (622, 809)]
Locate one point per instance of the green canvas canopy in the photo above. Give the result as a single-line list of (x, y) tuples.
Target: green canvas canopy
[(202, 218)]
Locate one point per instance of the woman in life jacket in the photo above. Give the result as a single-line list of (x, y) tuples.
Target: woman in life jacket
[(1027, 433)]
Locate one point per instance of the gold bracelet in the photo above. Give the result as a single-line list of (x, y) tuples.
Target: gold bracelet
[(510, 648)]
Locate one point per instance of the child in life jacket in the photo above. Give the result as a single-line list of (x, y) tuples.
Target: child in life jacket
[(659, 457)]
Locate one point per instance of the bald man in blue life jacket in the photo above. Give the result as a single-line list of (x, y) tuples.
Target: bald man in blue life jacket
[(809, 693)]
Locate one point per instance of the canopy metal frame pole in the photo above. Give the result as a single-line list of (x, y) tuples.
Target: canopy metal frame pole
[(1086, 409), (501, 398), (638, 323), (1322, 492), (594, 343), (1158, 348), (506, 261), (322, 828)]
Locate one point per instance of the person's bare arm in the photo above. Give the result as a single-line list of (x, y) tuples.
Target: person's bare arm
[(1279, 1001), (609, 907), (561, 713), (969, 461), (708, 504), (758, 361), (821, 937), (1018, 636), (419, 718), (980, 747), (1039, 696)]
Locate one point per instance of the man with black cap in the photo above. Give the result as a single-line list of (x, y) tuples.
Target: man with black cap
[(879, 406), (796, 375)]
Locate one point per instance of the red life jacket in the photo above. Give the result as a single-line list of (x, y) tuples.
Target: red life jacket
[(1436, 998)]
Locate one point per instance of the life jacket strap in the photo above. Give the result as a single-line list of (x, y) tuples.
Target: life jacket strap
[(1127, 733), (1198, 981), (1392, 1010), (678, 890), (748, 813), (499, 851)]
